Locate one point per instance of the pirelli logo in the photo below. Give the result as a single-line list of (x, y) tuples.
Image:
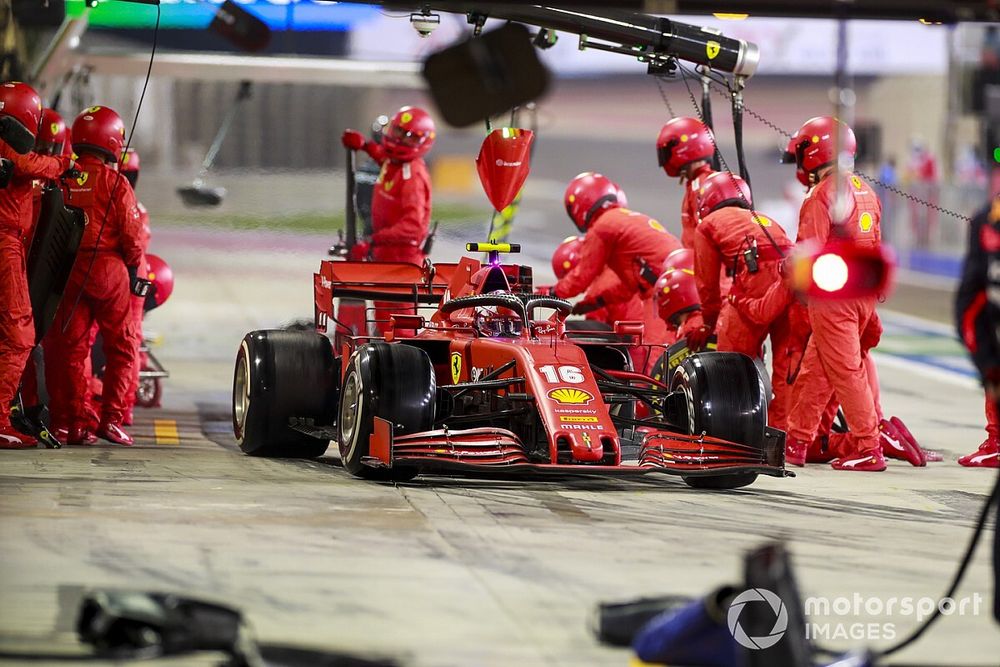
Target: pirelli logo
[(577, 419)]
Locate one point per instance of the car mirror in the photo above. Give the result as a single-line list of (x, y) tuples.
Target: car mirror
[(630, 328), (407, 322)]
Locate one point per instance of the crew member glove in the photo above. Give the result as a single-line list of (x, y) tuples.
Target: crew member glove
[(138, 285), (352, 140), (695, 332), (584, 307)]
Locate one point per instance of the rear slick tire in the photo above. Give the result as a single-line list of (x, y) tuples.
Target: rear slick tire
[(280, 375)]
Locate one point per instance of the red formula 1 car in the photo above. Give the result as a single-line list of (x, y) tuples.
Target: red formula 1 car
[(479, 379)]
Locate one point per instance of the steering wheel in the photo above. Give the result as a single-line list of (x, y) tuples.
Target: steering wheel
[(502, 300)]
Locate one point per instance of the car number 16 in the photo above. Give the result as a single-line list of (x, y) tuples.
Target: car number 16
[(567, 374)]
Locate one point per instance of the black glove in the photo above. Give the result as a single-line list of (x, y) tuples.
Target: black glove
[(138, 286), (584, 307), (6, 172)]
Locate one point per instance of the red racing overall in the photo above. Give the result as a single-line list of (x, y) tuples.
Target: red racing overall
[(104, 295), (720, 241)]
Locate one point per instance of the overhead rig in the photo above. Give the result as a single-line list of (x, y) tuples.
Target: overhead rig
[(655, 40)]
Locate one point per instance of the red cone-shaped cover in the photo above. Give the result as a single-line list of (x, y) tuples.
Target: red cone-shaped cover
[(503, 164)]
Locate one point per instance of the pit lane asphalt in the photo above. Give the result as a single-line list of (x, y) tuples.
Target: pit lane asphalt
[(451, 571)]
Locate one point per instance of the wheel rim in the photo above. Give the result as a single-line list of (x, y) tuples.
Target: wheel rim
[(349, 410), (241, 392), (145, 391)]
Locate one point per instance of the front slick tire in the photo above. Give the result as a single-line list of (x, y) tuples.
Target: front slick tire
[(395, 383), (726, 399)]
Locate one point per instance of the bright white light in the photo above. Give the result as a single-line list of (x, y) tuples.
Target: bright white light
[(830, 272)]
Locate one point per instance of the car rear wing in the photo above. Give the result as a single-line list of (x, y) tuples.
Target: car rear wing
[(399, 282)]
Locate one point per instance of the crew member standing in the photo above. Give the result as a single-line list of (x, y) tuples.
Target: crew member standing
[(731, 236), (977, 310), (22, 104), (104, 277), (130, 170), (684, 149), (401, 200), (833, 360)]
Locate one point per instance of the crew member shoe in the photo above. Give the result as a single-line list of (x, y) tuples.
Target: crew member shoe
[(987, 456), (895, 445), (127, 418), (80, 437), (114, 433), (869, 461), (930, 456), (10, 438), (795, 451)]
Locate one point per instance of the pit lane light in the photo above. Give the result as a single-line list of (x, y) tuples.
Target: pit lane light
[(841, 269)]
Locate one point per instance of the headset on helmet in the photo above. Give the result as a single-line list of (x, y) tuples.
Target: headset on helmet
[(723, 189), (131, 165), (682, 141), (682, 258), (566, 256), (409, 134), (588, 194), (52, 133), (99, 130), (814, 146), (20, 115), (676, 293)]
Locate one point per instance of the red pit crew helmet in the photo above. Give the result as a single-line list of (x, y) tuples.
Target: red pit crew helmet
[(131, 165), (723, 189), (588, 194), (21, 114), (682, 258), (676, 293), (566, 256), (682, 141), (814, 146), (409, 135), (52, 134), (161, 275), (101, 130)]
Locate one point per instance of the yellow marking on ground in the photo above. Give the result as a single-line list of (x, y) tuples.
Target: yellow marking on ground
[(165, 432)]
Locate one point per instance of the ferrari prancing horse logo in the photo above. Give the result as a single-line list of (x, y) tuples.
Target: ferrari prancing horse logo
[(82, 178), (456, 367), (712, 49)]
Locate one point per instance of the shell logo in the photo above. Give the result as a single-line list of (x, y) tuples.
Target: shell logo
[(762, 220), (655, 224), (865, 222), (570, 396)]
